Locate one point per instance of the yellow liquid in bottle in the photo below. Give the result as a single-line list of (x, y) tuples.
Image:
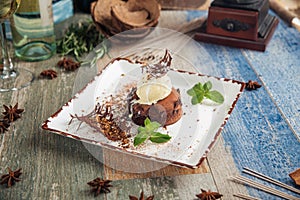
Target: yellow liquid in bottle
[(8, 7)]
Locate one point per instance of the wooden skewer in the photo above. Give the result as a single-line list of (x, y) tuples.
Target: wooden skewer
[(269, 179), (246, 197), (263, 187)]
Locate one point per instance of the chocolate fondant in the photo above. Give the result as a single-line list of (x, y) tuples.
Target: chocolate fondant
[(166, 111)]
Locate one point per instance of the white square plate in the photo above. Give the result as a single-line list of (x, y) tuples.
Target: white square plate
[(192, 136)]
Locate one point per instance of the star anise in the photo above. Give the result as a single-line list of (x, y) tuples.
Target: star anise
[(100, 186), (208, 195), (141, 197), (11, 178), (295, 175), (49, 73), (68, 64), (252, 85), (12, 113), (4, 124)]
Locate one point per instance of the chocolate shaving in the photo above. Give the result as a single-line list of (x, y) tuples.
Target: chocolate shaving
[(160, 69), (102, 120), (107, 125)]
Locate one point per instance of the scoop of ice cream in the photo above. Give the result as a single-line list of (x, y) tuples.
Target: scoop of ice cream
[(150, 91)]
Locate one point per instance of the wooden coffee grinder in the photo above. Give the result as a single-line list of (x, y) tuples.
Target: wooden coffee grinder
[(238, 23)]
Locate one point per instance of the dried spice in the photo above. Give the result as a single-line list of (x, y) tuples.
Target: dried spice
[(295, 175), (208, 195), (11, 178), (12, 113), (49, 73), (4, 125), (141, 197), (100, 186), (68, 64), (252, 85)]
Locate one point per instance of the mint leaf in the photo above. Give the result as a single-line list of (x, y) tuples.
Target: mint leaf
[(141, 129), (157, 137), (207, 86), (147, 121), (199, 91), (149, 132), (140, 138), (191, 92), (153, 126), (197, 99), (215, 96), (196, 89)]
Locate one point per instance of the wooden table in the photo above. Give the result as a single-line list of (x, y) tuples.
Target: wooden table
[(263, 132)]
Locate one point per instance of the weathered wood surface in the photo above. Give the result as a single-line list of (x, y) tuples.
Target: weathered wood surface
[(262, 132)]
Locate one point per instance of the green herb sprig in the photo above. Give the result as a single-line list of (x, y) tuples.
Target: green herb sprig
[(149, 131), (81, 38), (199, 92)]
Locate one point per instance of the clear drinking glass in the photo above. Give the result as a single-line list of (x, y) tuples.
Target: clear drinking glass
[(10, 77)]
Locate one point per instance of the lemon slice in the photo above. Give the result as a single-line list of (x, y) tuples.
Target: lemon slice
[(153, 90)]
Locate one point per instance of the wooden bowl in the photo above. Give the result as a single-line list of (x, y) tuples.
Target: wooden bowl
[(117, 16)]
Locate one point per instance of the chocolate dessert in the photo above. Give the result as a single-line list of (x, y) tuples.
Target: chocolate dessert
[(155, 97), (166, 111)]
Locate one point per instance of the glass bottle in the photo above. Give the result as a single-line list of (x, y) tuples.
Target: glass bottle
[(33, 30)]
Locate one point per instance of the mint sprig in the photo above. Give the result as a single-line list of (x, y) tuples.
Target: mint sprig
[(199, 92), (149, 131)]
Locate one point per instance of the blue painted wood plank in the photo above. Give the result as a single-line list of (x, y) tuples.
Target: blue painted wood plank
[(279, 70), (263, 131)]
